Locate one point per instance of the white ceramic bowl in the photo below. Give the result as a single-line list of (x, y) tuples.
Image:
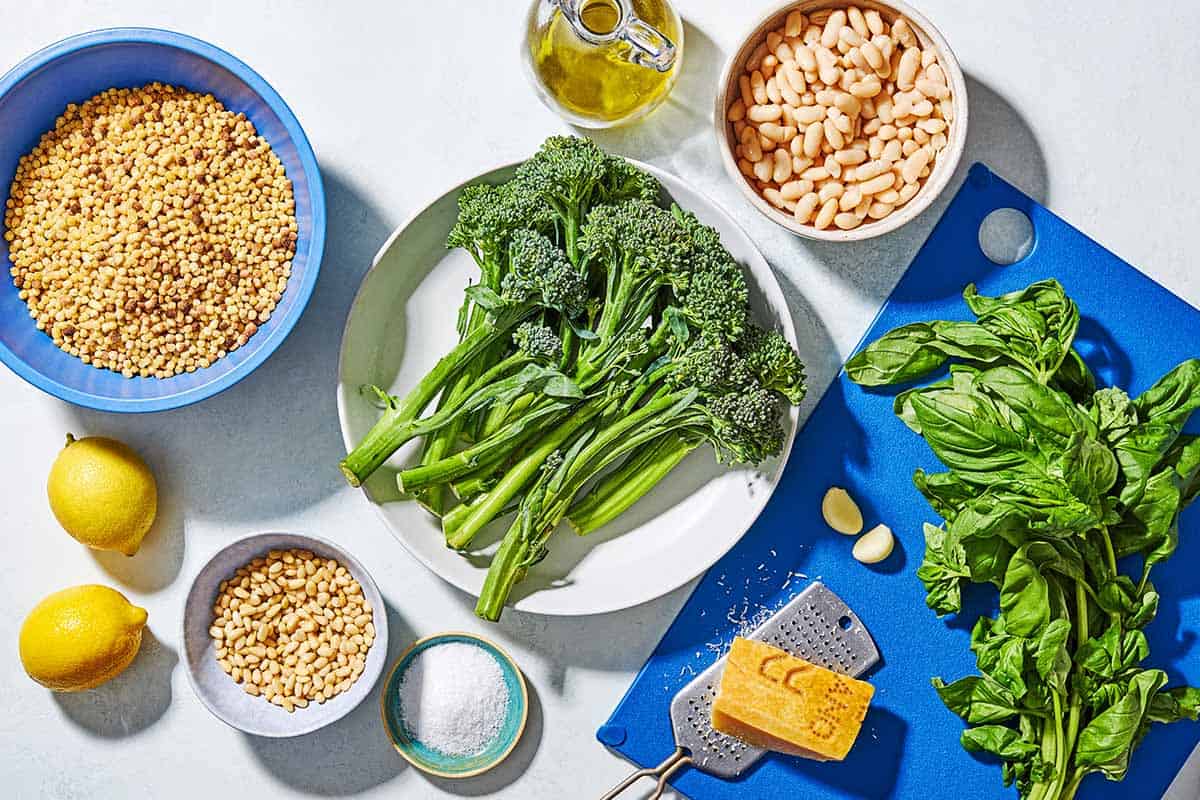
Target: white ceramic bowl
[(226, 699), (947, 160)]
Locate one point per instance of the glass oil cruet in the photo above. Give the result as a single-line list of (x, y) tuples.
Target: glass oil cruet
[(599, 63)]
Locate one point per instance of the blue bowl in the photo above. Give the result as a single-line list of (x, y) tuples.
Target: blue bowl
[(35, 92), (433, 761)]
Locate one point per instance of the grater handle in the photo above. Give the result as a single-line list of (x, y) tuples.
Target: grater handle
[(670, 765)]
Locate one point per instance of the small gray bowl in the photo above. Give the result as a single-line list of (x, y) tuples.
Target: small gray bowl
[(218, 692)]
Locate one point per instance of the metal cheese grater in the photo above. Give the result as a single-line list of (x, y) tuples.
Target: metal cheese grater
[(815, 625)]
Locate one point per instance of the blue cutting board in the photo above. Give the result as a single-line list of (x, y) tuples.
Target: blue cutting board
[(1132, 332)]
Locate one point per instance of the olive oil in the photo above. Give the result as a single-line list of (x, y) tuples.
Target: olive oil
[(603, 62)]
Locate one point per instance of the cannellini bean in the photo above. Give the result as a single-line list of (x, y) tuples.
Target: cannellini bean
[(902, 32), (773, 93), (764, 169), (794, 79), (805, 207), (758, 85), (932, 89), (747, 94), (794, 190), (878, 210), (773, 197), (813, 136), (874, 21), (783, 166), (825, 217), (907, 193), (737, 111), (875, 545), (810, 114), (867, 87), (847, 221), (850, 198), (915, 163), (850, 36), (830, 190), (891, 151), (839, 509), (833, 26), (906, 74), (833, 135), (764, 113), (794, 24), (877, 184), (850, 157)]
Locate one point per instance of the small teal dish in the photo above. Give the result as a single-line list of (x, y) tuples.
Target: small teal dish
[(433, 761), (35, 92)]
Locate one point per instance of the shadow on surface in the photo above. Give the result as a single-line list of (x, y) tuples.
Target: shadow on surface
[(509, 770), (279, 426), (130, 702), (349, 756)]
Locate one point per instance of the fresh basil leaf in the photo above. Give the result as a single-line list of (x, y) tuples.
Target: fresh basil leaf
[(978, 699), (1146, 610), (945, 491), (915, 350), (999, 740), (1002, 658), (1150, 526), (987, 558), (942, 571), (1051, 659), (1139, 454), (899, 356), (1174, 397), (1172, 705), (968, 432), (1042, 408), (1184, 456), (1088, 467), (1025, 595), (1074, 378), (1114, 414), (1107, 741)]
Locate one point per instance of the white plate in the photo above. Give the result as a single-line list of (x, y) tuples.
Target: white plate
[(403, 320)]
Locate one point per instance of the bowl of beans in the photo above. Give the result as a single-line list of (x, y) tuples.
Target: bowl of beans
[(842, 121), (283, 634), (164, 220)]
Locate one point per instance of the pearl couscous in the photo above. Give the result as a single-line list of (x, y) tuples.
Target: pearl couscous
[(151, 231)]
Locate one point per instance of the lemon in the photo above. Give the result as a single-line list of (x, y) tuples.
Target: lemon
[(80, 637), (103, 494)]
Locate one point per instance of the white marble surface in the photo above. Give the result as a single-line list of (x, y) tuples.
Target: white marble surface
[(1088, 106)]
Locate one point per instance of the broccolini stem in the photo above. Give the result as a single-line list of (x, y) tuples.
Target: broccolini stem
[(492, 450), (460, 530), (506, 570), (623, 487), (391, 431)]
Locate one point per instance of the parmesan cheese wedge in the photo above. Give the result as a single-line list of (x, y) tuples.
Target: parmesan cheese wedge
[(773, 700)]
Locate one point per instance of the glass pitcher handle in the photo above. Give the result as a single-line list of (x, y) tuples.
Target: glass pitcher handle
[(650, 47)]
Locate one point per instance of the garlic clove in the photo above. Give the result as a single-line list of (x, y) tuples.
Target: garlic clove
[(841, 512), (875, 545)]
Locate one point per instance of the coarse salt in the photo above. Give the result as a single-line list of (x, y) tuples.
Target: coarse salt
[(453, 698)]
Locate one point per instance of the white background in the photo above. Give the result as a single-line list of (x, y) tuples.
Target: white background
[(1090, 107)]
